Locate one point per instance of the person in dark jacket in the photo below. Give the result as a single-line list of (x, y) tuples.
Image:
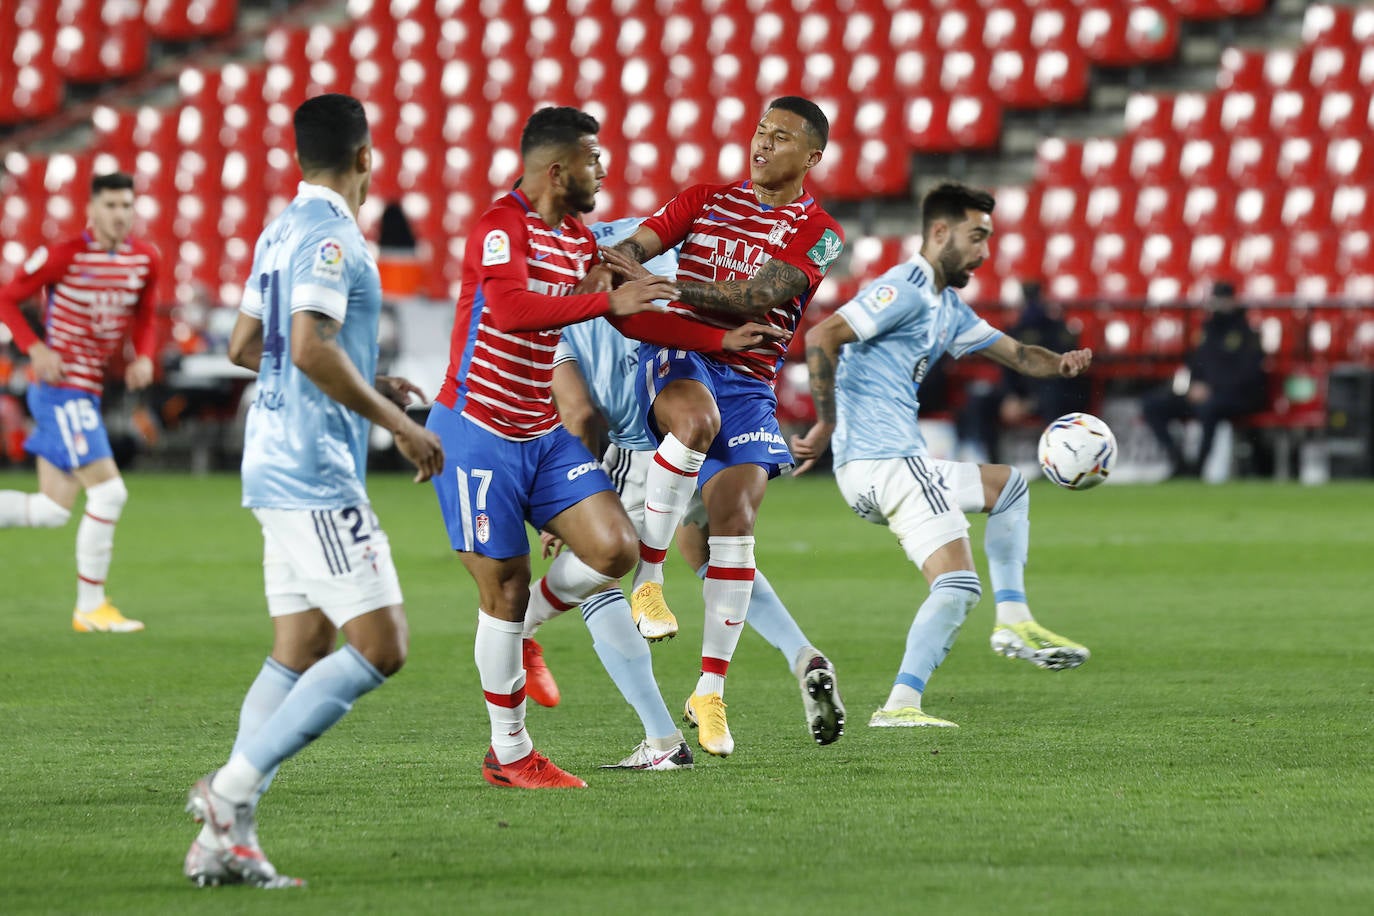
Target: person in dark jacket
[(1017, 397), (1226, 380)]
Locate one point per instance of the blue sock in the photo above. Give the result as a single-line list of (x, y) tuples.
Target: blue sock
[(937, 623), (320, 698), (266, 693), (769, 618), (1007, 541), (625, 655)]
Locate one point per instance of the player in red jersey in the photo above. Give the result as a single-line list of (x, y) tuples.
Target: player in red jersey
[(98, 288), (530, 268), (754, 249)]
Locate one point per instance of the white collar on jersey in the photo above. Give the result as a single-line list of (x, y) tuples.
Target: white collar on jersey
[(307, 189)]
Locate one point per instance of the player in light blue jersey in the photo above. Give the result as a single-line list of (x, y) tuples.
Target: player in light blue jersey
[(308, 327), (595, 371), (867, 398)]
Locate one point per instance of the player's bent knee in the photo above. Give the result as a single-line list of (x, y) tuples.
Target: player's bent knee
[(961, 587), (47, 513), (107, 499)]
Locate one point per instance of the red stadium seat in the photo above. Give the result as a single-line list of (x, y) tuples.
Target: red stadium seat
[(965, 72), (1106, 161), (1342, 114), (1059, 161), (1217, 9), (1154, 160), (1066, 252), (186, 20), (1017, 254), (1203, 162), (1252, 162), (98, 42), (1244, 113), (1017, 208), (1328, 25), (974, 122), (1316, 253), (926, 124), (1117, 34), (1292, 113), (1260, 252), (1350, 160), (1158, 208), (1302, 160), (1198, 115), (1209, 255), (1110, 208), (1205, 209), (1150, 114), (1061, 207), (1334, 69), (1114, 252), (1351, 209), (1258, 211)]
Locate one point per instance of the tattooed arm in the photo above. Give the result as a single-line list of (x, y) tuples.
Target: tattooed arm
[(315, 351), (823, 343), (1037, 362), (775, 283)]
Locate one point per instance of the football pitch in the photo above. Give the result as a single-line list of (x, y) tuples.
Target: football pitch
[(1214, 755)]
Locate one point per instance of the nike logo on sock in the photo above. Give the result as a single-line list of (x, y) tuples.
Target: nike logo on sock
[(516, 732), (733, 623)]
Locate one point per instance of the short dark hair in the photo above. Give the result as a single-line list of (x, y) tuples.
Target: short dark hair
[(951, 201), (810, 112), (114, 181), (330, 129), (561, 126), (1224, 289)]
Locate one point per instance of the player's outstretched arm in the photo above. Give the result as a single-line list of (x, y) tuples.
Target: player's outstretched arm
[(245, 342), (823, 343), (315, 351), (776, 282), (1037, 362)]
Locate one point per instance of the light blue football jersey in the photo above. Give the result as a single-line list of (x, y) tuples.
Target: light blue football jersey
[(608, 360), (903, 326), (302, 449)]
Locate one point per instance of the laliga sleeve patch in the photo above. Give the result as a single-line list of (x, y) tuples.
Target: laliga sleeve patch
[(36, 260), (826, 250), (495, 248), (879, 298), (329, 260)]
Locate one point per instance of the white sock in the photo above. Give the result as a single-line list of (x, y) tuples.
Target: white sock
[(668, 489), (238, 780), (726, 591), (502, 672), (30, 510), (567, 584), (95, 541), (903, 696), (1009, 612)]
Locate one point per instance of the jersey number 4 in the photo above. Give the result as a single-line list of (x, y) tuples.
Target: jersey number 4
[(273, 342)]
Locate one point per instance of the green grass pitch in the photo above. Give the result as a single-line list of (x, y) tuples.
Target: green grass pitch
[(1212, 757)]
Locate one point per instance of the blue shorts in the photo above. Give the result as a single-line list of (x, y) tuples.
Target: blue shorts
[(491, 486), (749, 431), (70, 431)]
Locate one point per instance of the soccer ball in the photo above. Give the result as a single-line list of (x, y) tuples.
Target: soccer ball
[(1077, 451)]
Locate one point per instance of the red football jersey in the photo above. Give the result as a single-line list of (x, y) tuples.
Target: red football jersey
[(94, 296), (726, 234)]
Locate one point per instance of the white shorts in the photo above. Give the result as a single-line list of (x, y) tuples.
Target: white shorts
[(337, 560), (920, 499), (629, 472)]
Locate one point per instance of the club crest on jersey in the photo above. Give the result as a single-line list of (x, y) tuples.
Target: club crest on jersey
[(881, 297), (777, 233), (483, 527), (36, 260), (329, 260), (495, 248), (826, 250)]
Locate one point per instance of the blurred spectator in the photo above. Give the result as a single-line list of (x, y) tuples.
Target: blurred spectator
[(1224, 380), (398, 261), (1016, 397)]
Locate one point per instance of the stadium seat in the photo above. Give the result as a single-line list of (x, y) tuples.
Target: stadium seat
[(98, 42), (1328, 25), (1158, 208), (1017, 254), (1252, 162), (1206, 210), (1061, 206), (1110, 208), (1292, 113), (1154, 160), (1343, 113), (1351, 208), (974, 122), (1217, 9), (1350, 160), (1302, 160), (186, 20), (1244, 113), (1203, 162), (1209, 255)]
